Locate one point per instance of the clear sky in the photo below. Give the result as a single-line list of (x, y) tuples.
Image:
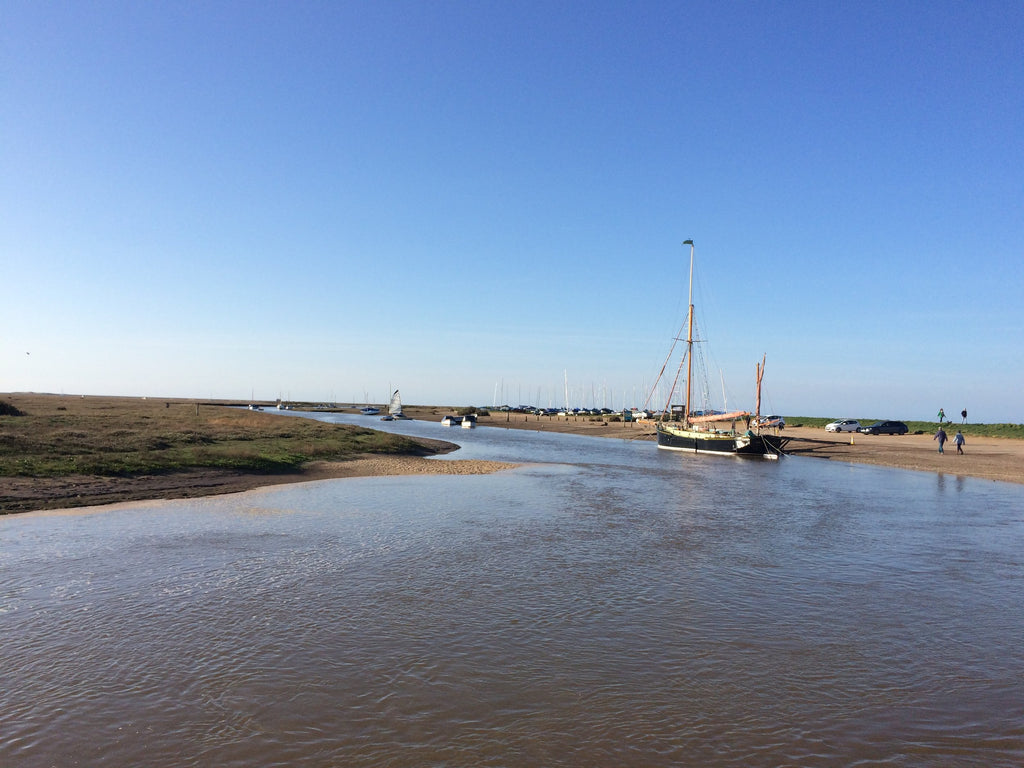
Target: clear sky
[(486, 201)]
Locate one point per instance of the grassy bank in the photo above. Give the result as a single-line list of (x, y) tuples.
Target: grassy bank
[(57, 436), (1015, 431)]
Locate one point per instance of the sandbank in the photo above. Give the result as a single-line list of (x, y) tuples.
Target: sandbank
[(23, 494)]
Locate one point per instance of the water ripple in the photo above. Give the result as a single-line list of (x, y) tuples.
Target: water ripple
[(615, 607)]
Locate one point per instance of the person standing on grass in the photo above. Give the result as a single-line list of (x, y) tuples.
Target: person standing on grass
[(963, 416), (941, 437), (942, 415), (958, 441)]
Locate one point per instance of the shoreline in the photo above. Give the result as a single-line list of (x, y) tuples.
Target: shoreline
[(76, 492), (984, 458), (996, 459)]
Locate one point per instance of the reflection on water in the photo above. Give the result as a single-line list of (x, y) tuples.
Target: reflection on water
[(608, 605)]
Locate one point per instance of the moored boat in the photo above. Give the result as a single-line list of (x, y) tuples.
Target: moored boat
[(713, 433), (395, 409), (718, 440)]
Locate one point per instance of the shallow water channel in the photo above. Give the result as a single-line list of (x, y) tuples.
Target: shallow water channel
[(607, 604)]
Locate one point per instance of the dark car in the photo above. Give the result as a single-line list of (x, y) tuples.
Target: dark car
[(885, 428)]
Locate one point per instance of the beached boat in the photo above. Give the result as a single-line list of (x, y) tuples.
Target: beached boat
[(715, 433)]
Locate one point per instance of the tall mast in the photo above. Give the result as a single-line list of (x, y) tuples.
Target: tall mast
[(760, 375), (689, 339)]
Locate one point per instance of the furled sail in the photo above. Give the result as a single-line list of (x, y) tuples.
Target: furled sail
[(731, 416)]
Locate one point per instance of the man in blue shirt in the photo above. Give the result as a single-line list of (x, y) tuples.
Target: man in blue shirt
[(958, 441)]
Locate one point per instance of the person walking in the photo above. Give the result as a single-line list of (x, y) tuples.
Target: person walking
[(942, 415), (963, 416), (941, 437), (958, 441)]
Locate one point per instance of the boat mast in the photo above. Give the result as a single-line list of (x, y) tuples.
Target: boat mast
[(689, 339), (760, 375)]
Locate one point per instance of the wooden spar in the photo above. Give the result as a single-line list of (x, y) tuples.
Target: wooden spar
[(760, 375), (731, 416)]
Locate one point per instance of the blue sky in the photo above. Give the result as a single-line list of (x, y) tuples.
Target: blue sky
[(480, 201)]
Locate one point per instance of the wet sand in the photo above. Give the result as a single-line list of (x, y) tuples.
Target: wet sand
[(24, 494), (989, 458)]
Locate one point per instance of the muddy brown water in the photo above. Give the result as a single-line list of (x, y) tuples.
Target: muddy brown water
[(606, 604)]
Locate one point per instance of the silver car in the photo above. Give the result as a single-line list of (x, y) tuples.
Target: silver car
[(843, 425)]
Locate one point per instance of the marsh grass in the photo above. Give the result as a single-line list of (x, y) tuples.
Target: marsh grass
[(58, 436)]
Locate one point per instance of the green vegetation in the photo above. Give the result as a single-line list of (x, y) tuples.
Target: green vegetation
[(6, 409), (1015, 431), (122, 436)]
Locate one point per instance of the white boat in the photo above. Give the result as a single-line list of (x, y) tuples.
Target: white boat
[(369, 410), (469, 421), (395, 409), (451, 421)]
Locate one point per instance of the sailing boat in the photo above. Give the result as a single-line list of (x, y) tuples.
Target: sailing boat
[(395, 409), (713, 432)]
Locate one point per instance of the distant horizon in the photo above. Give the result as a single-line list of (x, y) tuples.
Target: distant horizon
[(951, 417)]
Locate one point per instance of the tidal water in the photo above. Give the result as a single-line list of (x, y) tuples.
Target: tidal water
[(607, 604)]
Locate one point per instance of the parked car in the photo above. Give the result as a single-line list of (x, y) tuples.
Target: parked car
[(771, 421), (885, 428), (843, 425)]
